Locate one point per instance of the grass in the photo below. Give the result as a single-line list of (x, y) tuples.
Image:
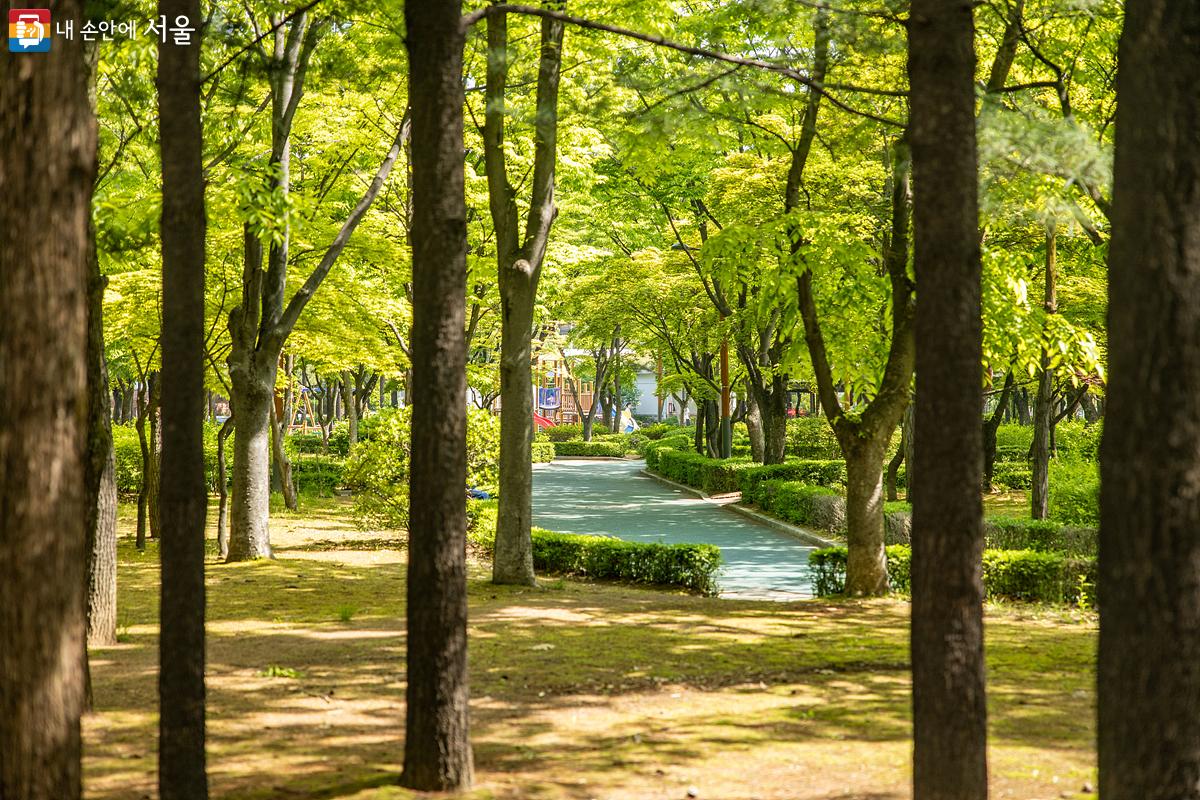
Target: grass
[(579, 690)]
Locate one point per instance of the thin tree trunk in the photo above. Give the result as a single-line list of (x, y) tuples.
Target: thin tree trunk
[(101, 471), (755, 429), (282, 462), (223, 490), (153, 473), (1043, 408), (1149, 686), (990, 426), (47, 170), (949, 695), (893, 466), (181, 759), (437, 748), (143, 500)]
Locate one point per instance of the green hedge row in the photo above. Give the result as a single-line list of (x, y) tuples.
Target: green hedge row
[(824, 472), (612, 449), (543, 452), (711, 475), (691, 566), (1027, 575), (801, 504)]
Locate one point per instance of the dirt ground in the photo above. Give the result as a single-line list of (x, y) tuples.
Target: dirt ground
[(579, 690)]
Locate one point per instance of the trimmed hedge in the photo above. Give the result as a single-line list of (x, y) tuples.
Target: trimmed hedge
[(1026, 575), (712, 475), (824, 472), (543, 452), (801, 504), (1012, 474), (562, 433), (1017, 533), (812, 438), (691, 566), (593, 449)]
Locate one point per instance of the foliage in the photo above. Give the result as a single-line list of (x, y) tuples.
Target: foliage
[(830, 473), (562, 433), (1020, 533), (812, 437), (711, 475), (801, 504), (1012, 475), (378, 469), (1075, 492), (596, 449), (542, 452), (1027, 575)]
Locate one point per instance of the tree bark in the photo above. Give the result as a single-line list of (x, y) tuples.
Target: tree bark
[(755, 429), (154, 465), (184, 505), (866, 564), (893, 466), (350, 401), (437, 749), (143, 500), (990, 427), (1043, 407), (1149, 574), (100, 470), (949, 694), (223, 490), (287, 483), (47, 170)]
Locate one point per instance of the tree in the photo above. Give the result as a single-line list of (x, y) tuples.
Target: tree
[(1149, 688), (184, 494), (949, 696), (519, 261), (261, 324), (48, 161), (437, 747)]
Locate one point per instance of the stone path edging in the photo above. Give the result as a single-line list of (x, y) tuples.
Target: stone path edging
[(730, 503)]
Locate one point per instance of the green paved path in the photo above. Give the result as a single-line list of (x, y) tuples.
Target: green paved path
[(613, 497)]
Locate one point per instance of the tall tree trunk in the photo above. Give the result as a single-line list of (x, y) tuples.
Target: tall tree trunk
[(143, 499), (1149, 686), (350, 401), (949, 695), (866, 566), (47, 169), (154, 471), (437, 748), (223, 489), (283, 464), (1043, 408), (249, 517), (772, 408), (893, 466), (519, 261), (755, 429), (181, 762)]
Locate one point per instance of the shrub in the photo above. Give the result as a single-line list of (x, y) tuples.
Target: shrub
[(561, 433), (657, 431), (306, 442), (1012, 474), (692, 566), (802, 504), (600, 448), (128, 453), (1009, 574), (1014, 439), (812, 437), (831, 473), (674, 442), (1075, 492), (318, 475), (377, 470), (1075, 440), (543, 452), (1017, 533), (712, 475)]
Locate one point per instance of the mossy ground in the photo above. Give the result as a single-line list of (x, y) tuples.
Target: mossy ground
[(579, 690)]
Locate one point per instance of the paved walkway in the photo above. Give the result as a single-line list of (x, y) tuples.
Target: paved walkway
[(612, 497)]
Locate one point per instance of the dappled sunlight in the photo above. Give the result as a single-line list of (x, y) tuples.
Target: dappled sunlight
[(579, 689)]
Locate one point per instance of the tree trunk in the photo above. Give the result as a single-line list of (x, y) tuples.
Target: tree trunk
[(437, 748), (350, 401), (755, 429), (893, 466), (47, 169), (223, 490), (143, 500), (1149, 687), (1043, 408), (866, 566), (153, 470), (249, 518), (772, 407), (181, 758), (949, 694), (282, 463), (519, 261), (100, 470)]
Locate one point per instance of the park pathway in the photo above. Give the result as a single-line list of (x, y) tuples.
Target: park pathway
[(614, 497)]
